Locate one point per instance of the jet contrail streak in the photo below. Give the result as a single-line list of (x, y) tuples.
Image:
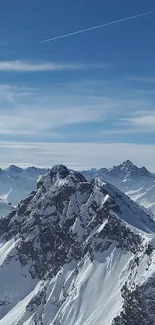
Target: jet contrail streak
[(98, 26)]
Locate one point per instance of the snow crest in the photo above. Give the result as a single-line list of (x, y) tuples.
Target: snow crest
[(73, 253)]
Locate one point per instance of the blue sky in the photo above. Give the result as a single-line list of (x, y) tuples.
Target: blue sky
[(87, 100)]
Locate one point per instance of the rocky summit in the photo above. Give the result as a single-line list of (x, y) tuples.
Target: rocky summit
[(137, 182), (77, 252)]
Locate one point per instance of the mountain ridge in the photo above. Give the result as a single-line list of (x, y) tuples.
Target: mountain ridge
[(74, 244), (16, 183), (137, 183)]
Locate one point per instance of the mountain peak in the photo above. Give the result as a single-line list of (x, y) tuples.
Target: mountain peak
[(59, 171), (125, 169), (58, 175), (128, 169), (128, 163), (14, 169), (128, 166)]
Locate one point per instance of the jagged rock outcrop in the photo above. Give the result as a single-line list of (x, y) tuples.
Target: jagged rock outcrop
[(138, 306), (73, 243)]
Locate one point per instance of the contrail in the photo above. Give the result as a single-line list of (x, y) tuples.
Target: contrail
[(98, 26)]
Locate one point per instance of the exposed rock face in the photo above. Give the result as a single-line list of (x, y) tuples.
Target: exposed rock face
[(138, 306), (69, 233)]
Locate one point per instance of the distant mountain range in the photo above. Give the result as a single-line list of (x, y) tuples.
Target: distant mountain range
[(15, 184), (77, 252), (124, 175), (137, 183)]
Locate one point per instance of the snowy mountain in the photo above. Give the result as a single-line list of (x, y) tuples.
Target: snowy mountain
[(16, 183), (124, 176), (137, 183), (79, 253)]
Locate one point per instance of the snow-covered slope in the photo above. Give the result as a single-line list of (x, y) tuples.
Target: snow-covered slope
[(137, 183), (5, 207), (16, 183), (145, 196), (76, 251)]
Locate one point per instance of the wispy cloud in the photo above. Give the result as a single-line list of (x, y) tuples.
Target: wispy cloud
[(31, 66), (95, 111), (38, 120), (143, 80), (25, 66), (127, 131), (144, 120), (25, 111)]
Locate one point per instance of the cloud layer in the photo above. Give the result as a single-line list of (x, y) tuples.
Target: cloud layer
[(41, 66), (26, 66), (82, 124), (97, 111), (76, 155)]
